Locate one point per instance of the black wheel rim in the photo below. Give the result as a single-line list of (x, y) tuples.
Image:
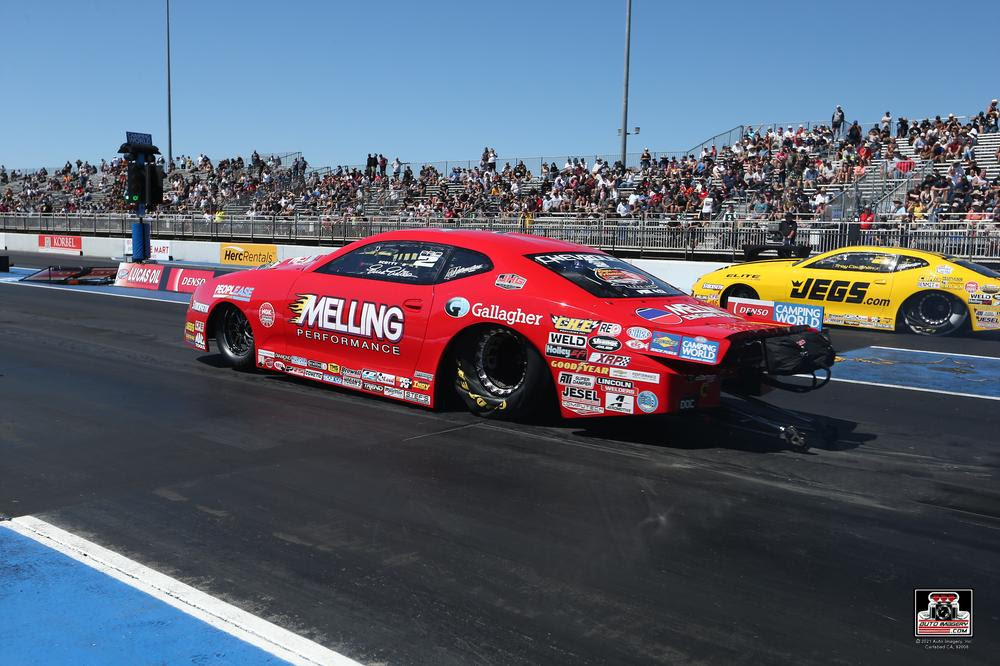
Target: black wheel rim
[(501, 362), (238, 334), (933, 310)]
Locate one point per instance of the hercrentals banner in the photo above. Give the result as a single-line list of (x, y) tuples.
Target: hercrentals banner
[(247, 254)]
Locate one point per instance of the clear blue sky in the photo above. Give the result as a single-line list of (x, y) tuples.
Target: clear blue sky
[(438, 80)]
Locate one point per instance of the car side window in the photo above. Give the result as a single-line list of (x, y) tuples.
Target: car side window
[(864, 262), (410, 262), (464, 263), (906, 262)]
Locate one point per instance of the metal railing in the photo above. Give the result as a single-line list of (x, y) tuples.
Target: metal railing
[(975, 240)]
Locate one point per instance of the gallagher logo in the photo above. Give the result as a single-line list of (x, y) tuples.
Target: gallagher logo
[(457, 307)]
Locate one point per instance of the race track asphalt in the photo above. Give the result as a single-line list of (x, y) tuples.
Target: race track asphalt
[(398, 535)]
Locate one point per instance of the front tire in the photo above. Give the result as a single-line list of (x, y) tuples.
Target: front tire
[(234, 336), (934, 313), (499, 374), (738, 291)]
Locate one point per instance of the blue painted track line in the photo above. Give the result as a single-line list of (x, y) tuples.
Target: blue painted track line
[(56, 610), (953, 374)]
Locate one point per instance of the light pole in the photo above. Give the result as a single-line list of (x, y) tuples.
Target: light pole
[(170, 126), (628, 39)]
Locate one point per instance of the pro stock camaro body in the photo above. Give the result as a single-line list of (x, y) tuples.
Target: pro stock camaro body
[(870, 287), (512, 323)]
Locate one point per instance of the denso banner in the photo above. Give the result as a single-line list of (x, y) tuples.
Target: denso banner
[(139, 276), (186, 280), (60, 244), (158, 249), (247, 254), (796, 314)]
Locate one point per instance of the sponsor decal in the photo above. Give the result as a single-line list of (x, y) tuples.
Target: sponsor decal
[(835, 291), (189, 326), (943, 269), (610, 359), (353, 382), (638, 333), (333, 379), (686, 403), (405, 382), (385, 378), (457, 307), (618, 402), (318, 365), (609, 328), (925, 284), (647, 402), (574, 325), (991, 288), (636, 375), (314, 374), (942, 612), (247, 254), (665, 343), (186, 280), (743, 276), (699, 349), (638, 345), (559, 351), (369, 375), (391, 392), (510, 281), (139, 276), (266, 315), (427, 376), (333, 368), (972, 287), (711, 286), (576, 366), (421, 386), (980, 299), (158, 249), (60, 244), (298, 372), (199, 326), (582, 408), (298, 360), (280, 366), (573, 379), (621, 277), (567, 339), (362, 324), (509, 317), (374, 388), (577, 394), (233, 292), (198, 306), (417, 397), (611, 382), (799, 315), (750, 308), (677, 313), (266, 353), (350, 372), (604, 343)]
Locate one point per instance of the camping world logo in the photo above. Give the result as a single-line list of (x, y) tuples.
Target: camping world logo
[(942, 612)]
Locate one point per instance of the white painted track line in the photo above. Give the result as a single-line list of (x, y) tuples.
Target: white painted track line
[(243, 625), (908, 388), (940, 353)]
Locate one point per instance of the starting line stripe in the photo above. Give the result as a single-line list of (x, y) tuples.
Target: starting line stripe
[(223, 616), (908, 388), (940, 353)]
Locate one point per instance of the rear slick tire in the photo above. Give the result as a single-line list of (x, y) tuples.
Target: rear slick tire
[(499, 374), (934, 313), (234, 336)]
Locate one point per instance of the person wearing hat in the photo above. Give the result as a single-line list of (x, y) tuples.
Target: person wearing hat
[(837, 121)]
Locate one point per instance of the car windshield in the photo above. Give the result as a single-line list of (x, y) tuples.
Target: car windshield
[(976, 268), (605, 276)]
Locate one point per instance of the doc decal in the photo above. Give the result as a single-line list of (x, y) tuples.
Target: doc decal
[(377, 324)]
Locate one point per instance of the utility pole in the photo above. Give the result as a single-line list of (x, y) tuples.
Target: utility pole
[(170, 126), (628, 39)]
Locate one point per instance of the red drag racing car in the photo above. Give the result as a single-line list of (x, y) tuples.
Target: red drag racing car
[(512, 323)]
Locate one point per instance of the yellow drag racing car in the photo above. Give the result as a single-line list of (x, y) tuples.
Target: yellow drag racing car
[(870, 287)]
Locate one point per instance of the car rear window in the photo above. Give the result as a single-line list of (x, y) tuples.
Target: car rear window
[(974, 267), (605, 276)]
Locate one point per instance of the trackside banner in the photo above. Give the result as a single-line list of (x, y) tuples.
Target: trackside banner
[(162, 278), (786, 313), (247, 254), (60, 244), (158, 249)]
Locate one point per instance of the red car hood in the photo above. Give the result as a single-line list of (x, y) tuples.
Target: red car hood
[(685, 321)]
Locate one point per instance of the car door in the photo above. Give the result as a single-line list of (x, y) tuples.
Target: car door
[(854, 286), (366, 310)]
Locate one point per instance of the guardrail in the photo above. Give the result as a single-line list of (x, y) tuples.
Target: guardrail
[(978, 241)]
